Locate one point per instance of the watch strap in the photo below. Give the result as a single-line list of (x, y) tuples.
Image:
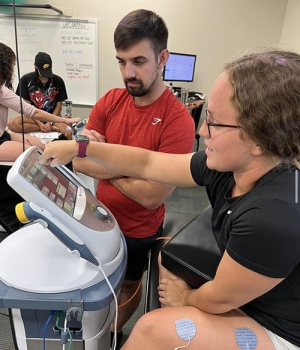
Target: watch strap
[(82, 145)]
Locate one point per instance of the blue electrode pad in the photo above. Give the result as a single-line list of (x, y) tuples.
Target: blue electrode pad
[(185, 328), (245, 338)]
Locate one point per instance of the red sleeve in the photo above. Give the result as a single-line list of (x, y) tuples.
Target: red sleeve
[(97, 117), (179, 133)]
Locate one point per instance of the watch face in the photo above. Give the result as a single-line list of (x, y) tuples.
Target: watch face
[(82, 138)]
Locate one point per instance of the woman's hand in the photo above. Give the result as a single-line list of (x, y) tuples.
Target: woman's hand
[(47, 127), (59, 152), (71, 121), (172, 292), (44, 127)]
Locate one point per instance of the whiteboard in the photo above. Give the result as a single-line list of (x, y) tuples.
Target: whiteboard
[(72, 45)]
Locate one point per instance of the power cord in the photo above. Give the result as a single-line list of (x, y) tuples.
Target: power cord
[(134, 294), (64, 331), (45, 328), (116, 306)]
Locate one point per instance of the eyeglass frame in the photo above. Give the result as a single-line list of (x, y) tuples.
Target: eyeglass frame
[(209, 124)]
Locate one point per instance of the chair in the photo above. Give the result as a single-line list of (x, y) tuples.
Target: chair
[(196, 114), (192, 253), (173, 223)]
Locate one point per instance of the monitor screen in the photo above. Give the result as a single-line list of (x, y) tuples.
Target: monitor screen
[(180, 67), (50, 182)]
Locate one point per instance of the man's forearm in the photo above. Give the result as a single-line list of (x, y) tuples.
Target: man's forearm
[(89, 168), (147, 193)]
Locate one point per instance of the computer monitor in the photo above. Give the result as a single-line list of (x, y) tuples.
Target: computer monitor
[(180, 67)]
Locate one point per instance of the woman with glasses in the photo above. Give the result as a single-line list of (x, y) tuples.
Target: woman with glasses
[(252, 137)]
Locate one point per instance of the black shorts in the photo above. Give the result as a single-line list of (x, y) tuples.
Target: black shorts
[(138, 249), (5, 137)]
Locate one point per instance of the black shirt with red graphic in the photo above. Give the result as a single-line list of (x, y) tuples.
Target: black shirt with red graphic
[(42, 96)]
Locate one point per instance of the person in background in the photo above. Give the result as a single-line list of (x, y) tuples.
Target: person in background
[(45, 91), (250, 169), (9, 151), (146, 114)]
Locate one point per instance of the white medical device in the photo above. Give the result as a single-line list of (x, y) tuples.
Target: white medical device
[(53, 262)]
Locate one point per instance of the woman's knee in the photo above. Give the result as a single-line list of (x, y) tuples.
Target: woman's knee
[(13, 124), (148, 324)]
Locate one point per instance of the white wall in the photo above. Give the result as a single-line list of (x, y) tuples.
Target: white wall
[(290, 37), (215, 30)]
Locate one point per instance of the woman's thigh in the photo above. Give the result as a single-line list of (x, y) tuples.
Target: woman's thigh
[(28, 139), (10, 150), (164, 329)]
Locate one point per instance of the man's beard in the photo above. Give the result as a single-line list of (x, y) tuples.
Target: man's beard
[(140, 90)]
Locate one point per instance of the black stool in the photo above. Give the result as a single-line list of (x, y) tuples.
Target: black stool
[(192, 254), (173, 223)]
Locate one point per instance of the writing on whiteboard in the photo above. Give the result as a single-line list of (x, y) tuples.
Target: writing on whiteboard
[(73, 25), (78, 70), (73, 46)]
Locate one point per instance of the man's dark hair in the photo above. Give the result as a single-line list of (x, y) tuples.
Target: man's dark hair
[(139, 25)]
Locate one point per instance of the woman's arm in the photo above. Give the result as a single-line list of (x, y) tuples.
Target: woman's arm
[(171, 169), (232, 287), (13, 101), (41, 115)]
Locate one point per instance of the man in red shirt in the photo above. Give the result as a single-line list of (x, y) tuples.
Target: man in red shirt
[(144, 114)]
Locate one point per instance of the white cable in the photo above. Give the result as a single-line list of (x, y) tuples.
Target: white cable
[(116, 316), (65, 330), (185, 346)]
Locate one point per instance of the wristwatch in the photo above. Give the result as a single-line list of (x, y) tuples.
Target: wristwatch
[(83, 141)]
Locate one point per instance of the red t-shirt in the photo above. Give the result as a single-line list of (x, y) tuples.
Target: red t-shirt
[(164, 126)]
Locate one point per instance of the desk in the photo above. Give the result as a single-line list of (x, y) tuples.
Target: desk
[(195, 109), (46, 137)]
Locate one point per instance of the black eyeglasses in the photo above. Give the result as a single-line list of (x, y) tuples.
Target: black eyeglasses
[(209, 124)]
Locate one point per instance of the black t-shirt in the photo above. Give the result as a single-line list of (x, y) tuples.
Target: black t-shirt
[(42, 96), (261, 231)]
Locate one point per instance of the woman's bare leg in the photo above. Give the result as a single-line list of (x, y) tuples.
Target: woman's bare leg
[(15, 125), (10, 150), (29, 140), (157, 330)]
